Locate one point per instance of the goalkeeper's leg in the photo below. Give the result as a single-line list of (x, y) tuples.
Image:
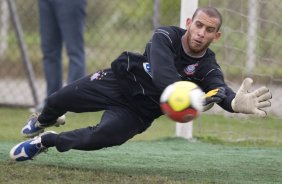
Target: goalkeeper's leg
[(117, 125), (85, 95)]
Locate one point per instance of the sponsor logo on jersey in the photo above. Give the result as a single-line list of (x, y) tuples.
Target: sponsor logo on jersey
[(147, 68), (190, 69)]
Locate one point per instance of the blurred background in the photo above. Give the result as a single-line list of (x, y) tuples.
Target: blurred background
[(250, 43)]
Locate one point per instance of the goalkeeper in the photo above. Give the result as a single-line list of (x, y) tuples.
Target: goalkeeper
[(129, 91)]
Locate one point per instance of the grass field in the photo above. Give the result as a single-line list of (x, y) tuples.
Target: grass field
[(225, 150)]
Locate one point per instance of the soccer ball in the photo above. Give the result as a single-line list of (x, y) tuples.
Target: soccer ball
[(182, 101)]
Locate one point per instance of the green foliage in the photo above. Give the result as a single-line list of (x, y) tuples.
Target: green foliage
[(136, 13), (170, 12), (114, 26)]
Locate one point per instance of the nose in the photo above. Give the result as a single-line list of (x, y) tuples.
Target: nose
[(201, 32)]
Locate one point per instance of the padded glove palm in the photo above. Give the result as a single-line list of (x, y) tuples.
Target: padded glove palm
[(251, 102)]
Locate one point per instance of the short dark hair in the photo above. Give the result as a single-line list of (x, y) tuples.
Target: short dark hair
[(210, 11)]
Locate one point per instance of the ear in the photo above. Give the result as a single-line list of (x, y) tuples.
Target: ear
[(217, 36), (188, 22)]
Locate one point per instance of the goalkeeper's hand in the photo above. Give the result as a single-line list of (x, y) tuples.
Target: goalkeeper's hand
[(213, 96), (251, 102)]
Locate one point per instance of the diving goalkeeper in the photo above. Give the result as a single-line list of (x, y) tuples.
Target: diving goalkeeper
[(130, 89)]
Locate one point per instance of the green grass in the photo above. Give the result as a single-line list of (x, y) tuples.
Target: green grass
[(163, 161), (226, 150), (12, 120), (240, 131), (210, 128)]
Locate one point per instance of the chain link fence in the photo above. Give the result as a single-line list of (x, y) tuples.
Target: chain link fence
[(249, 45)]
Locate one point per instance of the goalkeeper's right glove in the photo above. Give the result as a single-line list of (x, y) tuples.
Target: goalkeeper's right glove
[(213, 96)]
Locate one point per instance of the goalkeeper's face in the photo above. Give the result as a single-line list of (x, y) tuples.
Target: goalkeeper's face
[(201, 31)]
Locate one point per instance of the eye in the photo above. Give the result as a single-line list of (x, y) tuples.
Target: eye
[(210, 30), (199, 25)]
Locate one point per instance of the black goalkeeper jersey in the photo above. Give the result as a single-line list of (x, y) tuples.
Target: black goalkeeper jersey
[(165, 62)]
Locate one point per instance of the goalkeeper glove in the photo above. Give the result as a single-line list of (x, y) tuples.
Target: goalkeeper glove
[(213, 96), (251, 102)]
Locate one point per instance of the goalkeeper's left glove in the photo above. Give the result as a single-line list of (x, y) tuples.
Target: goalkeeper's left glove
[(251, 102), (213, 96)]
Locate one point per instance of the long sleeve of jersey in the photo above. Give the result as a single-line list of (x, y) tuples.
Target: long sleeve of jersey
[(214, 80), (161, 58)]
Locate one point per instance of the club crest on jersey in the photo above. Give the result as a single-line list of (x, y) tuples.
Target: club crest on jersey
[(147, 68), (190, 69)]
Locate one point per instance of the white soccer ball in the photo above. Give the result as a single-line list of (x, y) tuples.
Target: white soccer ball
[(182, 101)]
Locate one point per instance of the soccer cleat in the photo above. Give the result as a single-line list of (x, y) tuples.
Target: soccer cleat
[(27, 150), (34, 128)]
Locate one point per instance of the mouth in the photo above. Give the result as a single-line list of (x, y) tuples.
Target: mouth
[(198, 42)]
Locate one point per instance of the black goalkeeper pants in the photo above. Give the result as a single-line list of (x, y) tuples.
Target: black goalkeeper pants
[(100, 91)]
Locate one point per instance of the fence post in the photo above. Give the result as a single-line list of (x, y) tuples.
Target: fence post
[(252, 35), (4, 27), (156, 17), (188, 7), (23, 49)]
